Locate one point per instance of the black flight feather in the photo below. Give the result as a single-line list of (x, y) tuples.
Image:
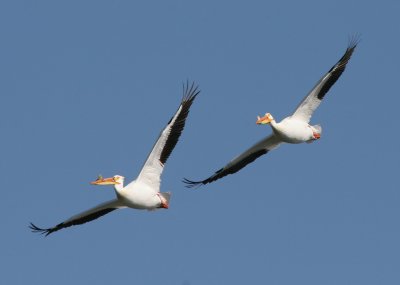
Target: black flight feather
[(337, 70), (189, 94), (74, 222), (226, 170)]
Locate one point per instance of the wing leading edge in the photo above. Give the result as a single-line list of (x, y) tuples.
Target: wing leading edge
[(154, 165), (81, 218), (311, 102), (236, 164)]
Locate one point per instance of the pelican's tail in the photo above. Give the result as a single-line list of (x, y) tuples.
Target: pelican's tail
[(317, 128), (166, 196)]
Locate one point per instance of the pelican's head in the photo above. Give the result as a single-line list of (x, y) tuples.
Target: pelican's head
[(115, 180), (264, 120)]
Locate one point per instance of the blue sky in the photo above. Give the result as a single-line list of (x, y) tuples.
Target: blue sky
[(88, 85)]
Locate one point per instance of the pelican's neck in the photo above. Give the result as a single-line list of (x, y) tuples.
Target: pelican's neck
[(274, 124), (118, 187)]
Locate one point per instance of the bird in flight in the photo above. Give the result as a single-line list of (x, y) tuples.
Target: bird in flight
[(144, 191), (293, 129)]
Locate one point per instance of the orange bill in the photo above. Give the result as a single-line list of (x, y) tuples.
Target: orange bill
[(104, 181), (264, 120)]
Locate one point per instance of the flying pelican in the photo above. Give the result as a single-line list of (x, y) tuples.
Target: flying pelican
[(293, 129), (144, 192)]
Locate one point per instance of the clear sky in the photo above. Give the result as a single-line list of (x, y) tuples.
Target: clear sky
[(86, 87)]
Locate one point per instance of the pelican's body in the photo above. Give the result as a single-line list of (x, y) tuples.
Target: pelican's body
[(293, 129), (144, 192), (138, 195)]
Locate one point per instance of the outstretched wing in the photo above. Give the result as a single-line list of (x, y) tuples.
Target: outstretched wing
[(257, 150), (81, 218), (311, 102), (154, 165)]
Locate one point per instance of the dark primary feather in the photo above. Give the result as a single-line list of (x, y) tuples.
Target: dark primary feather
[(337, 70), (189, 94), (75, 222), (227, 169)]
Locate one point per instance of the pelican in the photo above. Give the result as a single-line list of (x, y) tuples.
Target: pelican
[(144, 191), (293, 129)]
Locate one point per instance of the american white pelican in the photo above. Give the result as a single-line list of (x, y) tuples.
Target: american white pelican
[(293, 129), (144, 192)]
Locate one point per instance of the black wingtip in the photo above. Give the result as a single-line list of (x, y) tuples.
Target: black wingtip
[(36, 229), (192, 184), (190, 91), (354, 40)]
